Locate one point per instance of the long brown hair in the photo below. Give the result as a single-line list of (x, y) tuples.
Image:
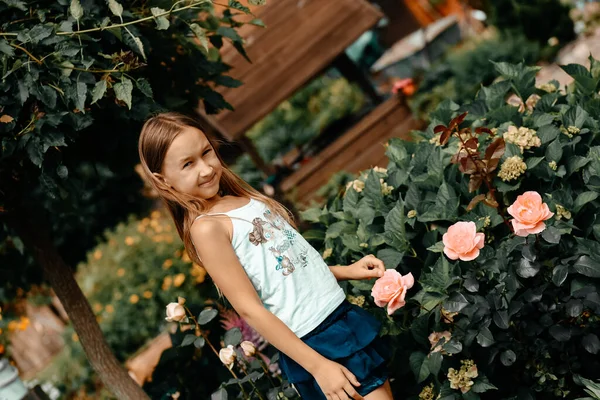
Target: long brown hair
[(155, 139)]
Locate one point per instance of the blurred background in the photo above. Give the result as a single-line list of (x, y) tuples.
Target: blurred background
[(301, 95)]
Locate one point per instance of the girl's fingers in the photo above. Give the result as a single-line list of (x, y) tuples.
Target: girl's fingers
[(352, 393), (350, 376)]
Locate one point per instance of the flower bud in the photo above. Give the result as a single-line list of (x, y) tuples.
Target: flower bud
[(227, 356), (175, 312), (248, 348)]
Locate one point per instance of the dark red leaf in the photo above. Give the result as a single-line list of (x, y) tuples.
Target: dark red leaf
[(467, 166), (492, 165), (445, 136), (439, 128), (475, 201), (472, 143), (495, 150), (483, 129), (458, 120), (475, 182)]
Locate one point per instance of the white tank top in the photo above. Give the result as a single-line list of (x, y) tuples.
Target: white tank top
[(289, 275)]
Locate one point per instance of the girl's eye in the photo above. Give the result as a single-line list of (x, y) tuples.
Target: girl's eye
[(206, 152), (187, 164)]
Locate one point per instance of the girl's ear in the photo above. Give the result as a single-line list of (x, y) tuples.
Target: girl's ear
[(160, 178)]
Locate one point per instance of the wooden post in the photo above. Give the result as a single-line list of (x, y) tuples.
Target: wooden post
[(353, 74), (250, 148)]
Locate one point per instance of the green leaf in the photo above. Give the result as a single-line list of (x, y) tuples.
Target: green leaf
[(587, 266), (560, 333), (554, 151), (162, 23), (583, 199), (350, 203), (115, 8), (456, 302), (419, 366), (62, 171), (16, 4), (482, 385), (199, 342), (435, 362), (123, 91), (508, 358), (257, 2), (99, 90), (395, 229), (201, 35), (584, 81), (390, 257), (311, 214), (139, 45), (229, 33), (233, 337), (527, 269), (220, 394), (257, 22), (80, 96), (575, 163), (239, 6), (551, 235), (591, 343), (206, 316), (559, 274), (485, 337), (576, 116), (501, 319), (532, 162), (76, 10), (436, 248), (6, 48), (144, 86), (48, 96), (187, 340), (228, 81)]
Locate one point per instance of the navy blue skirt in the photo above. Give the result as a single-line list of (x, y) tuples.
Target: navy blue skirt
[(350, 337)]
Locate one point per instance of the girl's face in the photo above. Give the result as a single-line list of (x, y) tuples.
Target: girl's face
[(191, 165)]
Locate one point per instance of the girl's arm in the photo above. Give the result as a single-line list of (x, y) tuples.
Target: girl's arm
[(214, 248), (366, 268)]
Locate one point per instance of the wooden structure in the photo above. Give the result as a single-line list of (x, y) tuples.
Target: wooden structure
[(302, 38), (360, 148)]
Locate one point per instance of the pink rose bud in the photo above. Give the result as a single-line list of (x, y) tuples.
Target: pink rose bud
[(529, 214), (175, 312), (248, 348), (391, 289), (227, 356), (435, 338), (461, 241)]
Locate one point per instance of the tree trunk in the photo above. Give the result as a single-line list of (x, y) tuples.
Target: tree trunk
[(36, 238)]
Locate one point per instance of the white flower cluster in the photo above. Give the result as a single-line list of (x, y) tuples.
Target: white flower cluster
[(512, 168), (523, 137)]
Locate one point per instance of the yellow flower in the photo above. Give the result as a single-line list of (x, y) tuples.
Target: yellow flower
[(147, 294), (427, 393), (357, 185), (552, 165), (463, 379), (523, 137), (134, 298), (24, 323), (141, 228), (380, 170), (110, 309), (548, 87), (155, 214), (121, 272), (178, 280), (75, 337), (357, 300), (412, 214), (327, 253), (97, 254), (385, 188), (167, 264), (13, 326), (1, 349), (486, 221), (98, 307), (167, 282), (185, 257), (129, 241), (562, 212), (512, 168), (198, 272)]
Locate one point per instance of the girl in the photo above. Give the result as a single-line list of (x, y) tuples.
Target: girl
[(272, 277)]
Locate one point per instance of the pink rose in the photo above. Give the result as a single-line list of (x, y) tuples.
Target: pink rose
[(227, 356), (529, 214), (391, 289), (462, 241)]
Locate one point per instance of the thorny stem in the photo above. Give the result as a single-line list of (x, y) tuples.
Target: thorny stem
[(241, 363), (263, 364), (16, 46)]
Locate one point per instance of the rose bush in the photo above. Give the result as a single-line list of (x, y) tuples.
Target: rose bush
[(521, 306)]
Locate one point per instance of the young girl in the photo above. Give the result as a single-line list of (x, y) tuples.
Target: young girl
[(272, 277)]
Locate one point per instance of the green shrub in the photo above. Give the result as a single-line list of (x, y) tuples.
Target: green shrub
[(521, 318), (461, 73), (129, 278)]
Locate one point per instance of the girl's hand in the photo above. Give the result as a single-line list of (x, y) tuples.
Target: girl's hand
[(366, 268), (336, 381)]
